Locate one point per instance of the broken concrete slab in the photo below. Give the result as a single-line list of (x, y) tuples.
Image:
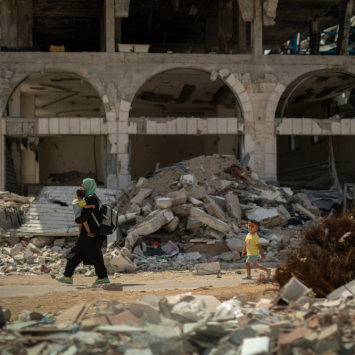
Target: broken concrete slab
[(303, 210), (198, 192), (267, 217), (153, 222), (235, 244), (195, 201), (142, 194), (40, 242), (177, 197), (284, 214), (133, 209), (209, 220), (214, 210), (220, 201), (193, 223), (304, 201), (208, 268), (171, 226), (16, 250), (233, 206), (163, 202), (141, 182), (182, 211)]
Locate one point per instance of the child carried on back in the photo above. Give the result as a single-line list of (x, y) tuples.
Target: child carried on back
[(78, 205)]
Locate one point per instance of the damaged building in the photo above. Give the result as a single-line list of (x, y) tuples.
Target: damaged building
[(119, 88)]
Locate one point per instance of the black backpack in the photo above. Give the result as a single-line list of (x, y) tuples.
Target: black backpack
[(107, 219)]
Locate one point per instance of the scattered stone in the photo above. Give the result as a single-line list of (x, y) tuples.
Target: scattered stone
[(40, 242), (177, 197), (112, 287), (233, 206), (208, 268)]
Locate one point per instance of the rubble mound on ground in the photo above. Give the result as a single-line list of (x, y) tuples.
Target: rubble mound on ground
[(325, 258)]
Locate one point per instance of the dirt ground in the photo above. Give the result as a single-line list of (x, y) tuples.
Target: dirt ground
[(55, 302)]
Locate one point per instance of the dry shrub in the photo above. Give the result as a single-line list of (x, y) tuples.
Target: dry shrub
[(323, 263)]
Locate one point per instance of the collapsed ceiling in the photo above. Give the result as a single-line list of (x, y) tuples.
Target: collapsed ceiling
[(184, 93), (312, 90), (59, 95)]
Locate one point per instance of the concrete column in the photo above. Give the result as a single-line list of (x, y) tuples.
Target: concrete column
[(110, 25), (123, 158), (257, 29), (344, 26), (24, 23), (314, 37), (242, 33), (8, 23)]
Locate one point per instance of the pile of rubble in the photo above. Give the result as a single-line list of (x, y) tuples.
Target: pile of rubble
[(290, 323), (197, 211), (12, 208), (194, 212)]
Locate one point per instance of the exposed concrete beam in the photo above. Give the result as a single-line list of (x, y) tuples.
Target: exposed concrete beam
[(122, 8), (270, 7), (344, 26), (246, 7)]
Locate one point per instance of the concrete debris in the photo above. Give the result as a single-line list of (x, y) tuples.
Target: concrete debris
[(51, 214), (208, 268), (287, 322), (233, 206), (199, 205), (12, 208)]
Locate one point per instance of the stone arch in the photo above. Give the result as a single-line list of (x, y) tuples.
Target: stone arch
[(293, 85), (231, 81), (32, 80)]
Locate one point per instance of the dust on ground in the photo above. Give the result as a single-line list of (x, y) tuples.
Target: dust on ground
[(54, 302), (59, 301)]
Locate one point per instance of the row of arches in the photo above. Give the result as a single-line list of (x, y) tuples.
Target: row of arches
[(173, 93), (180, 92), (176, 93)]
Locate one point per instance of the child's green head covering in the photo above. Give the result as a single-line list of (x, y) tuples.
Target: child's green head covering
[(89, 186)]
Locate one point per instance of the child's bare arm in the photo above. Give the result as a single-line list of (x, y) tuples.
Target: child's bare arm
[(261, 250), (244, 250), (89, 206)]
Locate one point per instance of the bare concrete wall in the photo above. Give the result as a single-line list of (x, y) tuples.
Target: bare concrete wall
[(147, 150), (312, 153), (64, 154)]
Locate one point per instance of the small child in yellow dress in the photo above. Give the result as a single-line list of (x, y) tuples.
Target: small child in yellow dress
[(78, 204)]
